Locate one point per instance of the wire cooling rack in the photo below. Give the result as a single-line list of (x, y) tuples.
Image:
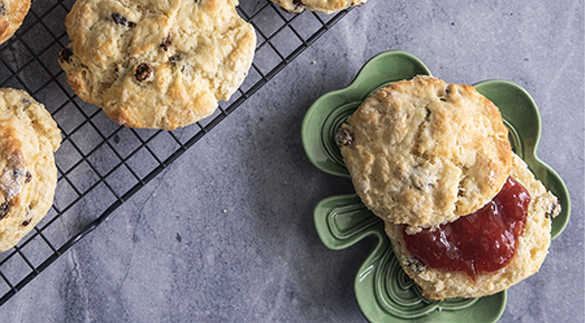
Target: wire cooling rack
[(101, 164)]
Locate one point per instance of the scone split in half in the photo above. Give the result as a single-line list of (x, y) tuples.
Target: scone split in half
[(423, 152), (465, 216)]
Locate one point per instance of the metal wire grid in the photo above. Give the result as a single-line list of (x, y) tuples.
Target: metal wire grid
[(101, 164)]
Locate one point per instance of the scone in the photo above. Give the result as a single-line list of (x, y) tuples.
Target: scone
[(531, 248), (156, 63), (324, 6), (423, 152), (28, 175), (12, 13)]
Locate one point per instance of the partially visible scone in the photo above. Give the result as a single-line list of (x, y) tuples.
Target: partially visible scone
[(12, 13), (157, 63), (423, 152), (324, 6), (28, 175), (531, 249)]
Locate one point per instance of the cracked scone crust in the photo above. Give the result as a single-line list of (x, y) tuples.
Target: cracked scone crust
[(154, 63), (28, 175), (531, 249), (12, 13), (324, 6), (423, 152)]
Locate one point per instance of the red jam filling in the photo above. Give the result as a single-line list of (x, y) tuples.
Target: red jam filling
[(481, 242)]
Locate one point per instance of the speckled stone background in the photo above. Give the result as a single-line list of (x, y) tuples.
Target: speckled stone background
[(225, 234)]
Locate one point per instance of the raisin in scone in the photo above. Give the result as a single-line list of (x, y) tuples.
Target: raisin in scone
[(156, 63), (12, 13), (423, 152), (28, 175), (324, 6), (531, 247)]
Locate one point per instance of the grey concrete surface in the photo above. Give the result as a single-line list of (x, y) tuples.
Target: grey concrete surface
[(225, 234)]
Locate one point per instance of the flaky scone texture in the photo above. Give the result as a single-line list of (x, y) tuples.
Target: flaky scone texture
[(28, 175), (531, 249), (157, 63), (324, 6), (423, 152), (12, 13)]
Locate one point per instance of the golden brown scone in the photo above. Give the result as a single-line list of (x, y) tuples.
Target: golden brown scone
[(12, 13), (157, 63), (28, 175), (324, 6), (531, 249), (423, 152)]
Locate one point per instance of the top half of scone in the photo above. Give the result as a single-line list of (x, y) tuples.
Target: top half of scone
[(423, 152)]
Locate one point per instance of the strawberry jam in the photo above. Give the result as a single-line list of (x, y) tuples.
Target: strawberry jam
[(480, 242)]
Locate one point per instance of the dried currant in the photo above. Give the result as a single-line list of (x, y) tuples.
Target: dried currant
[(121, 20), (174, 59), (16, 173), (555, 208), (298, 3), (343, 137), (26, 222), (143, 71), (428, 115), (2, 10), (166, 43), (28, 177), (65, 55), (4, 207)]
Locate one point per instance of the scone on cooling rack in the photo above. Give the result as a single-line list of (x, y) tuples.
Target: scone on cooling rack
[(324, 6), (12, 13), (465, 216), (28, 176), (154, 63)]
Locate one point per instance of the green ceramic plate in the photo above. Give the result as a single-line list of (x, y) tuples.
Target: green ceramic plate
[(383, 291)]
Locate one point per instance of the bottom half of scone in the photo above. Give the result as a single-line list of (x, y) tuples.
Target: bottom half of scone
[(531, 249)]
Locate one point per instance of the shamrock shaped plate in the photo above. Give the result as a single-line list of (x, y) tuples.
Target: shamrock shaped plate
[(383, 291)]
